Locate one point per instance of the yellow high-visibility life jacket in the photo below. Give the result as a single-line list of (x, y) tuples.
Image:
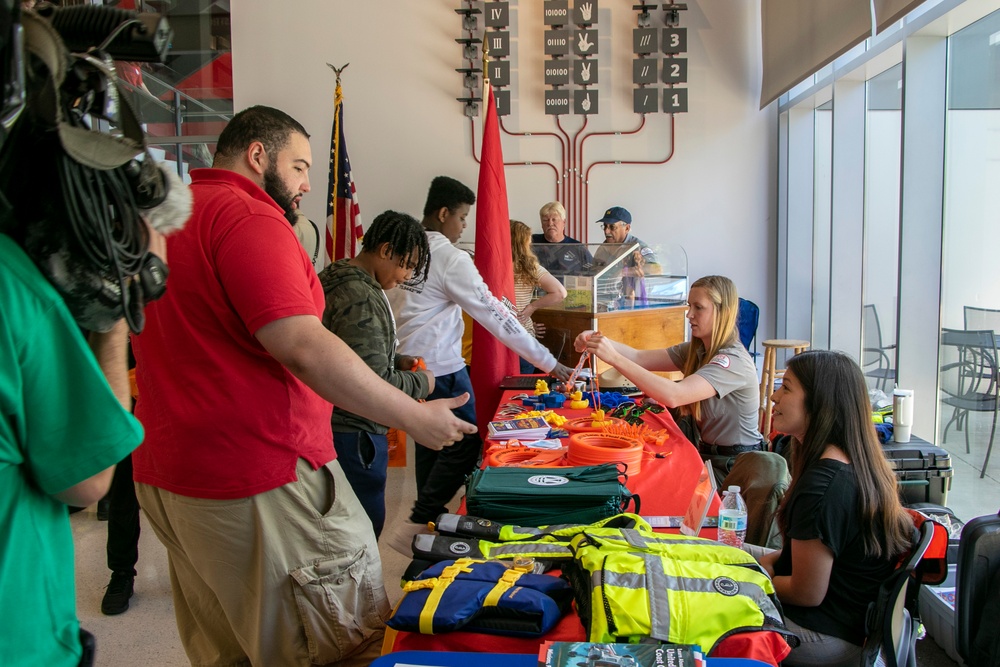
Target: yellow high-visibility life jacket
[(673, 588)]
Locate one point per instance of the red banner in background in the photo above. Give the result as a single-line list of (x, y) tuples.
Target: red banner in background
[(491, 359)]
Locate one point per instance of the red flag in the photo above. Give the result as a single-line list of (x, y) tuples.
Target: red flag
[(343, 216), (491, 359)]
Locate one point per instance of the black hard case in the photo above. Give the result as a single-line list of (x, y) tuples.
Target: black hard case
[(923, 470), (978, 563)]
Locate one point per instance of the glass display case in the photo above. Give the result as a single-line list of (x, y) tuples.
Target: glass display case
[(633, 293), (603, 277)]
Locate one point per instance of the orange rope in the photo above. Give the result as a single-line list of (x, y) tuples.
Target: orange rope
[(587, 449), (585, 424), (518, 457), (597, 383)]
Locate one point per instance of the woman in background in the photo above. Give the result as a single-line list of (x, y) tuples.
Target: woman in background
[(528, 275), (842, 523)]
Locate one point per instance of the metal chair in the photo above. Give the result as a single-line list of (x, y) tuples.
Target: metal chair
[(874, 352), (981, 318), (969, 380)]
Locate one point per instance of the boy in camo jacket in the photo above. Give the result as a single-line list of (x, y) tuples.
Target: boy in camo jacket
[(393, 250)]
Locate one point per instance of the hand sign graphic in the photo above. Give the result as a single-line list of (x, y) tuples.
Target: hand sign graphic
[(585, 11), (585, 105), (585, 71), (584, 42)]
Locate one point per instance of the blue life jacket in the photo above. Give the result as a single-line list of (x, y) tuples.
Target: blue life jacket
[(482, 596)]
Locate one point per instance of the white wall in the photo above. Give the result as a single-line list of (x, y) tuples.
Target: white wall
[(715, 197)]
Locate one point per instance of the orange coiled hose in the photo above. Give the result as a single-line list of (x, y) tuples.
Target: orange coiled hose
[(519, 457), (586, 449), (585, 424)]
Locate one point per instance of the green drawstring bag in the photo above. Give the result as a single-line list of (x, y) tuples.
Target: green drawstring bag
[(541, 497)]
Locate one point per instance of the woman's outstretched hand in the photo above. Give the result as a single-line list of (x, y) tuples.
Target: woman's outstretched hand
[(580, 344), (602, 347)]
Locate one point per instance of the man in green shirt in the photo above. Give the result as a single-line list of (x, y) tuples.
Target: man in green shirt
[(61, 432)]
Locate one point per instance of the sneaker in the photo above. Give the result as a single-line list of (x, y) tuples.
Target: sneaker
[(119, 591), (103, 508), (401, 538)]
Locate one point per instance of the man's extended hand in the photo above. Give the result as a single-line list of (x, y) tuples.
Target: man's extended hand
[(438, 427), (407, 363), (561, 371)]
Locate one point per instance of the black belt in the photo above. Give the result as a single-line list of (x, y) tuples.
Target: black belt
[(727, 450)]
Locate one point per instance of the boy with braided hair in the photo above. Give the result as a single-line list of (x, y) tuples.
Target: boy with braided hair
[(393, 250)]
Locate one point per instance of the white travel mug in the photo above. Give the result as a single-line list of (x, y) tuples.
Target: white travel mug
[(902, 414)]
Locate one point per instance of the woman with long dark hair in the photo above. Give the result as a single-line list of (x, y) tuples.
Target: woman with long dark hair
[(841, 519)]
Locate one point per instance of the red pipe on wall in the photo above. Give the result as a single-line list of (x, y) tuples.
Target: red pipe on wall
[(586, 179), (560, 182), (472, 131)]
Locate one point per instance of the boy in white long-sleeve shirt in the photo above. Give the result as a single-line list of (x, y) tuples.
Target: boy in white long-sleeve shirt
[(429, 324)]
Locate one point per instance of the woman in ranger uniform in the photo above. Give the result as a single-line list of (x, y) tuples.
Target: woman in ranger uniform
[(719, 391)]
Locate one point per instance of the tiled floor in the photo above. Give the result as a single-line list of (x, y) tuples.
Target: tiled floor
[(147, 635)]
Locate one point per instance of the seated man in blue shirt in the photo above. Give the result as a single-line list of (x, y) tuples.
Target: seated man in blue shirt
[(559, 261)]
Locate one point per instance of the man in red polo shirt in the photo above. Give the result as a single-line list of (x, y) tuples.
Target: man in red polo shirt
[(272, 558)]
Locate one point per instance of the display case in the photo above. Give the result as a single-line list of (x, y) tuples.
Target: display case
[(606, 277), (633, 293)]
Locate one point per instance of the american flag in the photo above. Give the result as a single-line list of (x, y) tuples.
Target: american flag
[(343, 216)]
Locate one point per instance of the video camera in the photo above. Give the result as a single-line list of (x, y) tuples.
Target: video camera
[(77, 184)]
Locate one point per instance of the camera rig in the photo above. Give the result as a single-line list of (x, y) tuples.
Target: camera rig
[(78, 184)]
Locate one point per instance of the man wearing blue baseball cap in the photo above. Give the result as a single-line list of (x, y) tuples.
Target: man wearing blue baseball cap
[(629, 285)]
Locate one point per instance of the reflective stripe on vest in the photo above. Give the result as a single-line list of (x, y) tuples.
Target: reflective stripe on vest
[(565, 531), (508, 550)]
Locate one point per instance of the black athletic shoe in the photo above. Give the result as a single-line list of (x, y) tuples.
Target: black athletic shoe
[(119, 591), (103, 507)]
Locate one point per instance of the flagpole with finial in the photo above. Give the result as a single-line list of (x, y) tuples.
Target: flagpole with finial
[(334, 181), (338, 99), (486, 75)]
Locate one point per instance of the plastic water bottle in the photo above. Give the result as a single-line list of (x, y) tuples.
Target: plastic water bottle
[(733, 518)]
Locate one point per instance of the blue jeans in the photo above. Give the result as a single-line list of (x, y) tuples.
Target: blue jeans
[(441, 474), (526, 367), (364, 457)]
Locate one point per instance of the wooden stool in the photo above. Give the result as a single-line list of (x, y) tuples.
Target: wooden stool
[(769, 374)]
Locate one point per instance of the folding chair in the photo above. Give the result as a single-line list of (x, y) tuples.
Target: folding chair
[(747, 319), (893, 623)]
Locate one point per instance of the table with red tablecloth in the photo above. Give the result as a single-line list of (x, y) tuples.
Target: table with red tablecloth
[(664, 485)]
